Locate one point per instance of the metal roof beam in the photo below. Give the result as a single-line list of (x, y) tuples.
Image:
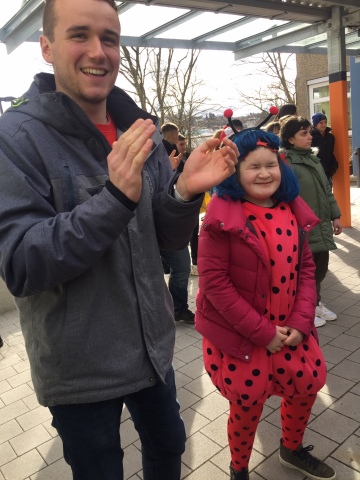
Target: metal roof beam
[(224, 29), (292, 37), (273, 31), (22, 25), (257, 8), (345, 3), (320, 48), (349, 39), (21, 15), (124, 7), (173, 23), (295, 49), (315, 51), (128, 41), (351, 19), (279, 8)]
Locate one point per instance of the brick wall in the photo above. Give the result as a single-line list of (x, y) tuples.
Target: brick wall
[(309, 67)]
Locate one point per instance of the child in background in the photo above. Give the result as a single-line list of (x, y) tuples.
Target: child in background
[(316, 191), (273, 127), (256, 303)]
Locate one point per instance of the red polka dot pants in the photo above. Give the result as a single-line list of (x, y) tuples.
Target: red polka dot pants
[(243, 422)]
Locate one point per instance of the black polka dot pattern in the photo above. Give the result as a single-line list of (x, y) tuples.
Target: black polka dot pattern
[(295, 371)]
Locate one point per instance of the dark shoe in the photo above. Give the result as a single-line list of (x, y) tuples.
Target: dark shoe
[(186, 316), (302, 460), (239, 475), (1, 342)]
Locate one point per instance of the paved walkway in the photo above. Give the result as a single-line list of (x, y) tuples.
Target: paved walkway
[(30, 448)]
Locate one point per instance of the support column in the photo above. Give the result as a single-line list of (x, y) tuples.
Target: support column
[(355, 107), (339, 111)]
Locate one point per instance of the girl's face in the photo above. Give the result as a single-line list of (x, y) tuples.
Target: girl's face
[(259, 175), (301, 139)]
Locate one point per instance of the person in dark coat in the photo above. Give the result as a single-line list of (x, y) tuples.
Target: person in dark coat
[(177, 263), (170, 133), (325, 142), (285, 110)]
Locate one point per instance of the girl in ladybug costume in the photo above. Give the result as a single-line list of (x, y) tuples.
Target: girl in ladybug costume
[(256, 303)]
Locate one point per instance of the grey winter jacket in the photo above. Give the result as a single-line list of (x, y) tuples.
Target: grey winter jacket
[(316, 191), (325, 144), (85, 269)]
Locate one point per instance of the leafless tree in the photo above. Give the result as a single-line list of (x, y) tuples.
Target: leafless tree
[(280, 87), (165, 85)]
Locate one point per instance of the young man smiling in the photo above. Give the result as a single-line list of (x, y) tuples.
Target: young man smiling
[(87, 197)]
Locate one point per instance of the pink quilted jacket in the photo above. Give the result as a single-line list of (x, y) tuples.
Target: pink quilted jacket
[(234, 280)]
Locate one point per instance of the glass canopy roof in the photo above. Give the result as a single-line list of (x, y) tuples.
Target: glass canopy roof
[(242, 26)]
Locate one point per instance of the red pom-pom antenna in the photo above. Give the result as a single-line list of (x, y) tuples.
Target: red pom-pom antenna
[(272, 111), (228, 113)]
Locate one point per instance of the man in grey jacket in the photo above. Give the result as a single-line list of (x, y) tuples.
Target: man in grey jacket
[(87, 197)]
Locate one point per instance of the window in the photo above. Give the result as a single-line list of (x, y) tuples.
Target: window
[(319, 99)]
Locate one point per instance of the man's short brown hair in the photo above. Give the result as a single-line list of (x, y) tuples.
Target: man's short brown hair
[(50, 18), (169, 127)]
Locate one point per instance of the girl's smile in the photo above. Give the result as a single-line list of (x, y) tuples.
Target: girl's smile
[(259, 175)]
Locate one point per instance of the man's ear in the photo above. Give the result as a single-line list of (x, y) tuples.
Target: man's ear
[(46, 50)]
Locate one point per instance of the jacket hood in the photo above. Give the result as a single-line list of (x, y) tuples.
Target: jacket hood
[(43, 103)]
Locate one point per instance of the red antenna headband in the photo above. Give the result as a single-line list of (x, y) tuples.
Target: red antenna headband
[(228, 113)]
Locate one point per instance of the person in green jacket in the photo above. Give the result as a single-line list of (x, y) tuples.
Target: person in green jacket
[(315, 190)]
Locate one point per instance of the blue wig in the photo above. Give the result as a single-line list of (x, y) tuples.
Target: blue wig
[(246, 142)]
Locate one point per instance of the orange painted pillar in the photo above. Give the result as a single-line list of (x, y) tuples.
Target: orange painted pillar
[(339, 110), (340, 127)]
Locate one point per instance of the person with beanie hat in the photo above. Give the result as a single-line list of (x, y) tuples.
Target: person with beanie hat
[(318, 117), (324, 141)]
